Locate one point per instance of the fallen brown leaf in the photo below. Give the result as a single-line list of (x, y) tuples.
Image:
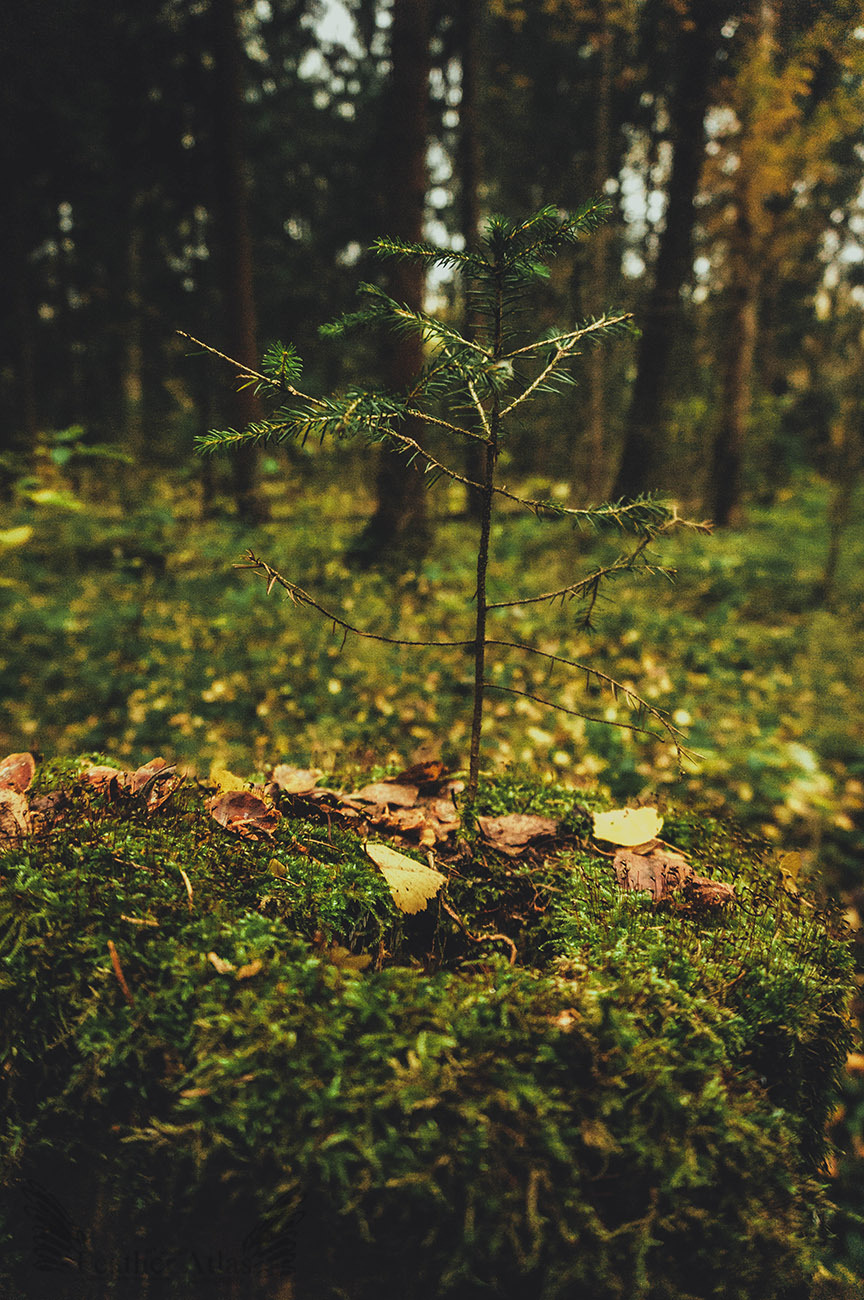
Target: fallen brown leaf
[(296, 780), (658, 873), (222, 966), (251, 969), (513, 832), (388, 794), (431, 773), (100, 777), (662, 873), (154, 782), (17, 771), (243, 813), (14, 817)]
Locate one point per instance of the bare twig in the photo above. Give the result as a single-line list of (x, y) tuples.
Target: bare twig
[(188, 885), (480, 938), (118, 971)]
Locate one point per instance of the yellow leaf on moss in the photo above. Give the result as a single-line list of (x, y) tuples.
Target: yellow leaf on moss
[(10, 537), (411, 883), (226, 781), (628, 826)]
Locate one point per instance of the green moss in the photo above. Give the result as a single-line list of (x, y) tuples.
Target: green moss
[(636, 1109)]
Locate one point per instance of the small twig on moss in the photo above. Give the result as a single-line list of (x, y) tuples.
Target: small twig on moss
[(481, 938), (188, 885), (118, 971)]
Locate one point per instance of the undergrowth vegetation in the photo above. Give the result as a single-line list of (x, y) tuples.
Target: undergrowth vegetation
[(127, 630)]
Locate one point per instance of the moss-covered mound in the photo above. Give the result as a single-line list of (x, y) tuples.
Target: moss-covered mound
[(204, 1094)]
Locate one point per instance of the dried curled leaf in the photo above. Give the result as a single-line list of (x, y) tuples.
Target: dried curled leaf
[(154, 782), (411, 883), (513, 832), (387, 793), (658, 873), (243, 813), (220, 964), (17, 771), (628, 827), (662, 874), (100, 777)]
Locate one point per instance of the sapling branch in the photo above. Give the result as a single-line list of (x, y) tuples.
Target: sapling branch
[(577, 713), (301, 597), (590, 584)]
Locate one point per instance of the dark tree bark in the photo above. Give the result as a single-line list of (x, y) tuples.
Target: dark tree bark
[(598, 259), (399, 526), (736, 394), (748, 248), (640, 466), (237, 276), (468, 162), (18, 434)]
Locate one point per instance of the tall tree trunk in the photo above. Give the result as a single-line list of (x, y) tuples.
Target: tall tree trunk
[(736, 397), (18, 437), (399, 526), (598, 258), (132, 378), (745, 260), (468, 162), (237, 279), (640, 467)]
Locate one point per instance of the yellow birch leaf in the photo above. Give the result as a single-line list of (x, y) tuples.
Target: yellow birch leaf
[(790, 869), (19, 536), (226, 781), (628, 826), (411, 883)]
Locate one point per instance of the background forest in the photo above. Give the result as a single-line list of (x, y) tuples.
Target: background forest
[(221, 168)]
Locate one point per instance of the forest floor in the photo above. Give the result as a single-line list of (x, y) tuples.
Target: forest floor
[(125, 631)]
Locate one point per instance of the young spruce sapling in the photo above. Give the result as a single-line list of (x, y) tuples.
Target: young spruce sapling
[(470, 390)]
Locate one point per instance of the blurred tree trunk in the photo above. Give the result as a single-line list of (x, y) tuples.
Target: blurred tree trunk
[(747, 252), (736, 396), (468, 162), (640, 466), (132, 378), (400, 523), (18, 436), (232, 200), (598, 259)]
